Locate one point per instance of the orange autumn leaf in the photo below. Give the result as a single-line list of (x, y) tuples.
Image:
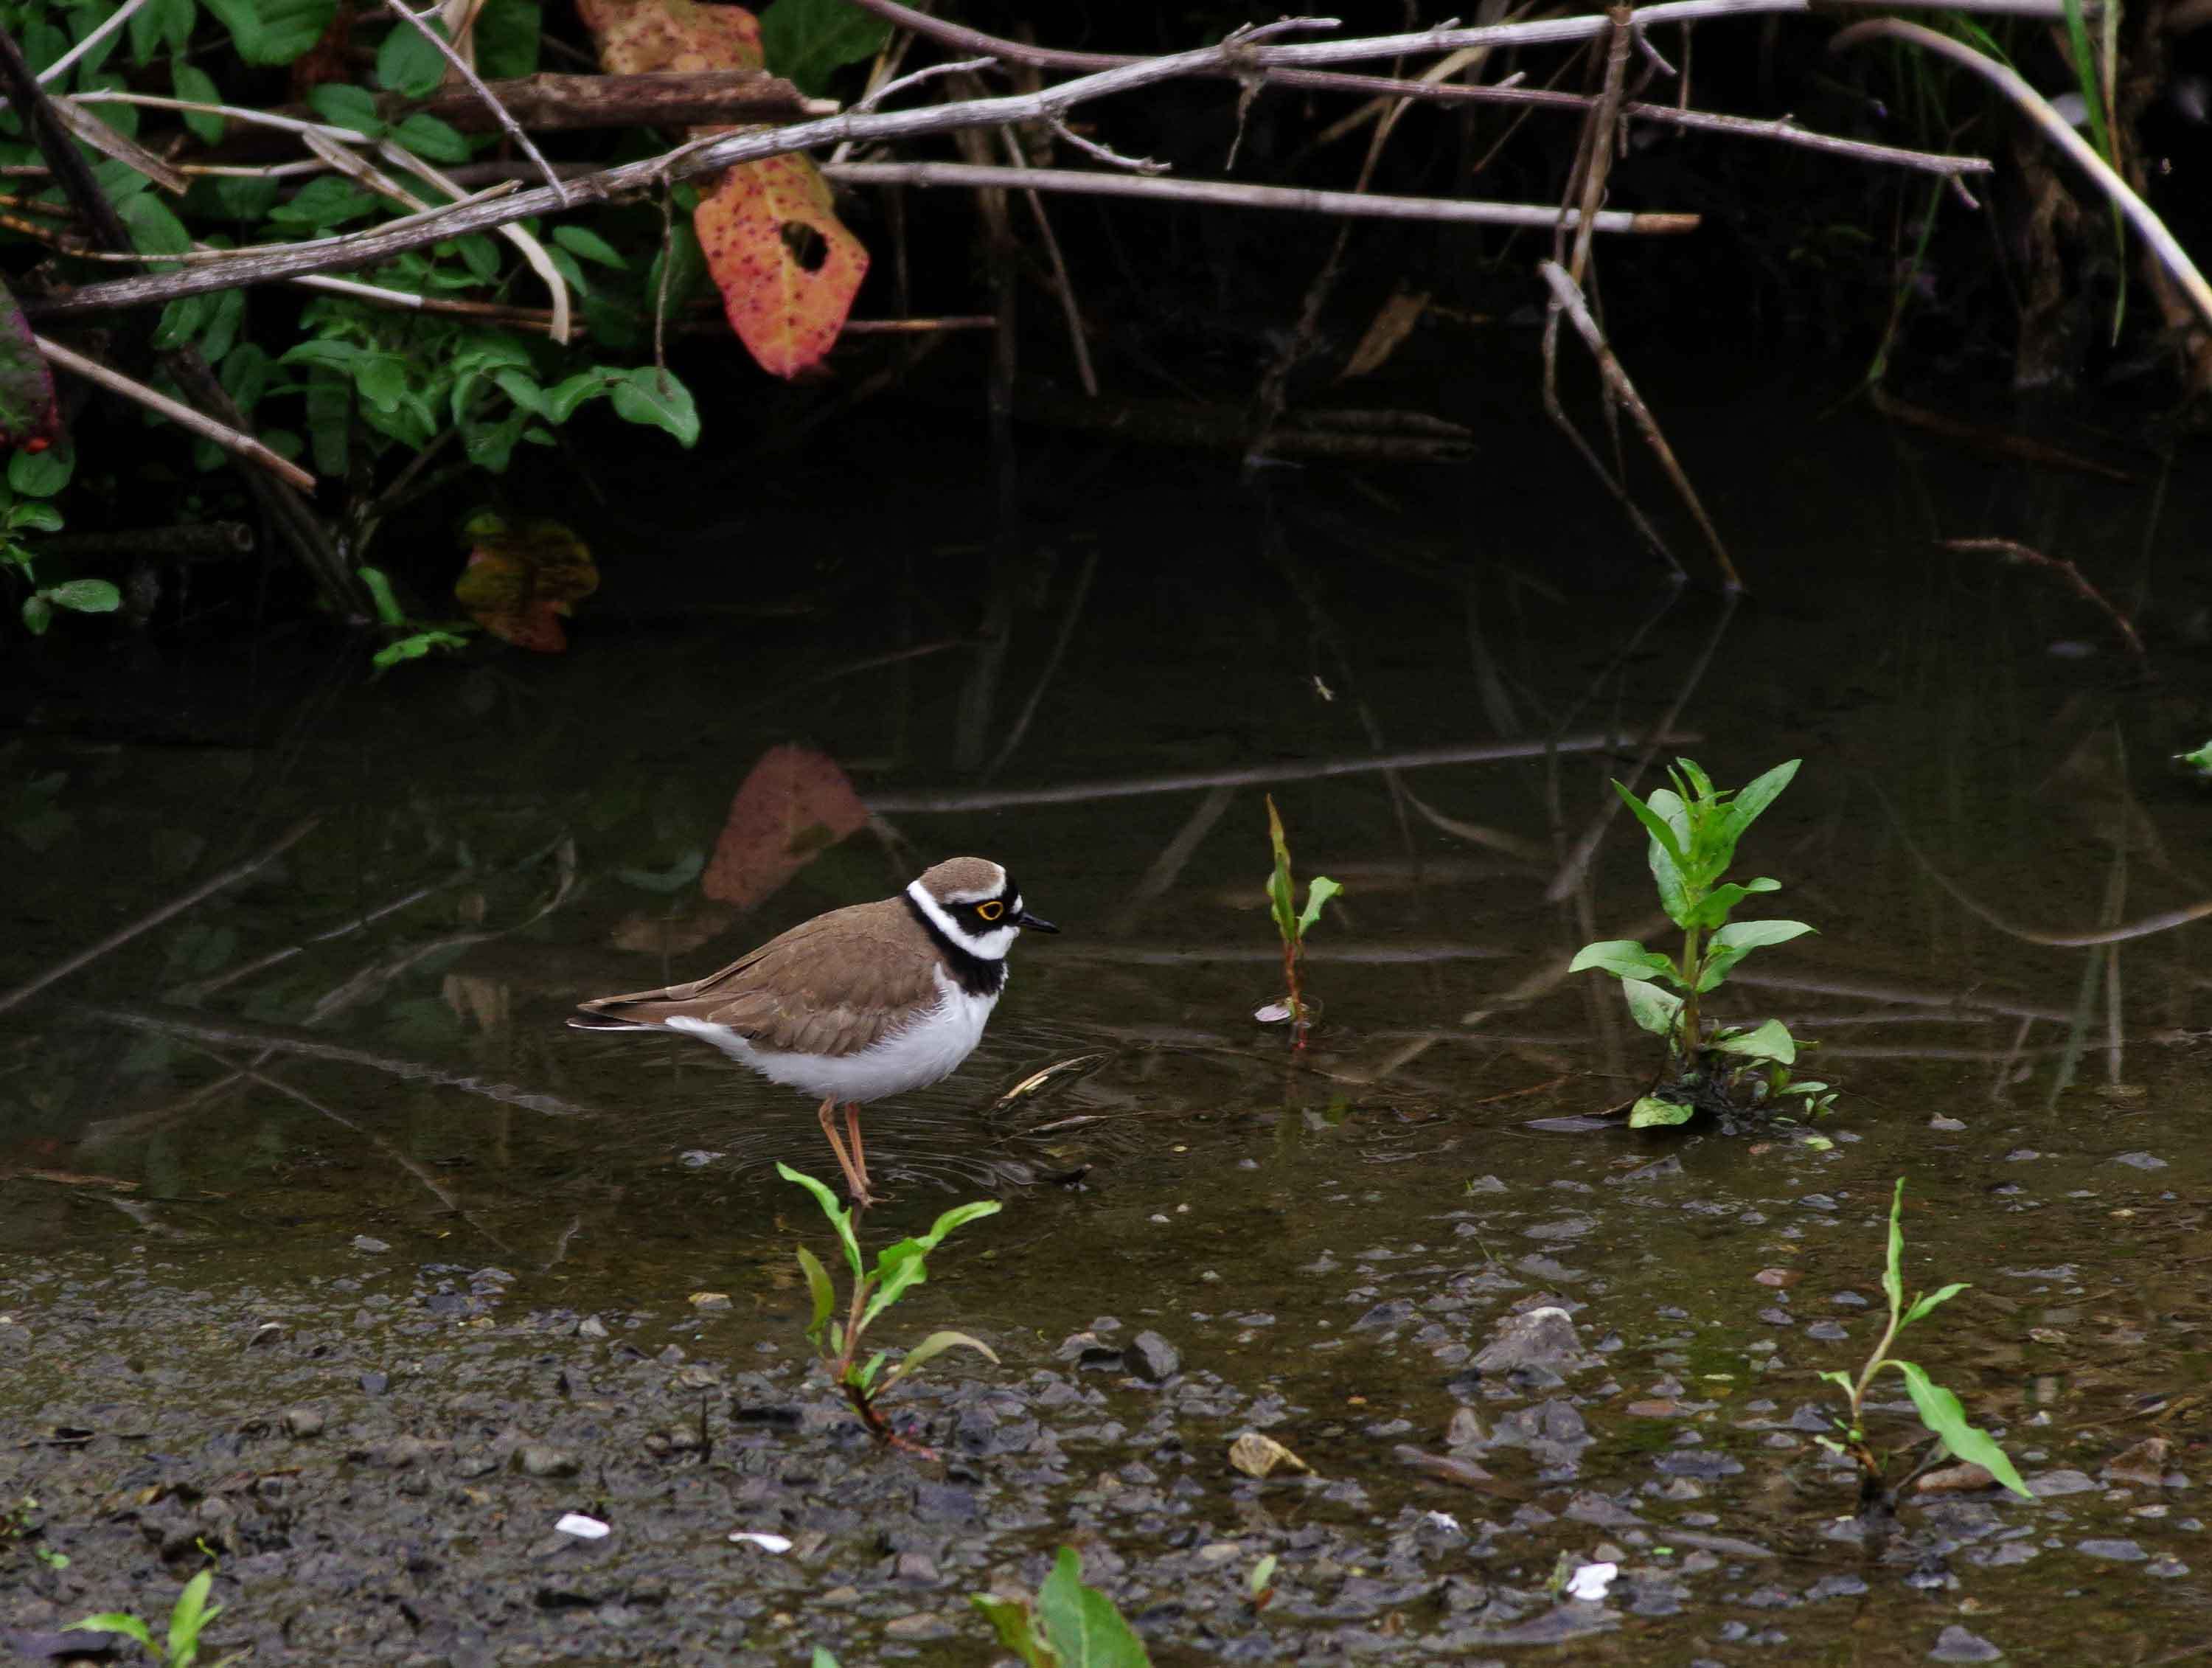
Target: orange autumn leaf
[(793, 805), (787, 267), (522, 578), (639, 37)]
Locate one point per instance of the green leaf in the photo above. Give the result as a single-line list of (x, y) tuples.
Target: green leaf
[(379, 586), (1941, 1412), (839, 1218), (1745, 808), (562, 399), (1623, 957), (865, 1377), (38, 613), (1892, 1272), (1011, 1619), (86, 596), (1080, 1622), (323, 203), (2200, 761), (1261, 1574), (432, 140), (805, 41), (415, 648), (1841, 1380), (154, 229), (42, 474), (113, 1622), (191, 1614), (958, 1217), (1279, 896), (822, 1658), (1768, 1041), (507, 35), (190, 82), (273, 32), (1652, 1113), (588, 245), (29, 515), (897, 1267), (160, 25), (1927, 1300), (818, 1284), (1319, 891), (1732, 943), (639, 396), (1653, 1009), (936, 1344), (343, 105), (1661, 830), (407, 62)]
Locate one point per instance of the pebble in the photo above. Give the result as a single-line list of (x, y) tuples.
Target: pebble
[(919, 1624), (362, 1242), (303, 1421), (1153, 1358), (2119, 1551), (2139, 1161), (1955, 1644), (542, 1459)]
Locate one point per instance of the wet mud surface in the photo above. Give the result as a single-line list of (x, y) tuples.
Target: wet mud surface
[(363, 1340)]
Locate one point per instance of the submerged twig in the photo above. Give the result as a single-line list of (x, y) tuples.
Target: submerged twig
[(221, 880), (2012, 551)]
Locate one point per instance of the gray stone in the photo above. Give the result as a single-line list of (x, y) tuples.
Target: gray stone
[(542, 1459), (303, 1421), (1955, 1644), (1152, 1357), (1542, 1338)]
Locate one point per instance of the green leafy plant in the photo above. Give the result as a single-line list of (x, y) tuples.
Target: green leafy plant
[(1693, 829), (1069, 1626), (2200, 761), (19, 1527), (1940, 1411), (898, 1268), (188, 1617), (34, 478), (1291, 924)]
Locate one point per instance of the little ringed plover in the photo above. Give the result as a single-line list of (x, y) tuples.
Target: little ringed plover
[(855, 1005)]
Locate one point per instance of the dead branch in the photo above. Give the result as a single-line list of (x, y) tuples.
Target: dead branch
[(2074, 578), (233, 440)]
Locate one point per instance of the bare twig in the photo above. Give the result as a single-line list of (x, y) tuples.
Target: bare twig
[(1570, 299), (1229, 193), (2012, 551), (490, 101), (62, 65), (219, 881), (882, 95), (231, 439), (1177, 781), (2033, 105)]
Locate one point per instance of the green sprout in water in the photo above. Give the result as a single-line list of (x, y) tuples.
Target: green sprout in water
[(1940, 1411), (187, 1617), (1069, 1626), (1291, 924), (897, 1268), (1694, 828)]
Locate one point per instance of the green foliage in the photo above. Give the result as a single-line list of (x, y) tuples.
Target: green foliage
[(1941, 1412), (807, 42), (1293, 923), (898, 1268), (1693, 829), (2200, 761), (188, 1618), (1070, 1625)]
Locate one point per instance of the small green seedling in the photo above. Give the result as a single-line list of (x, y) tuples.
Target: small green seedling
[(2200, 762), (1694, 828), (1940, 1410), (1259, 1583), (897, 1268), (1291, 924), (20, 1525), (1069, 1626), (187, 1618)]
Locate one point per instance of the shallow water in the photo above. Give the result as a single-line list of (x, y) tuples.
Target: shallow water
[(1326, 1242)]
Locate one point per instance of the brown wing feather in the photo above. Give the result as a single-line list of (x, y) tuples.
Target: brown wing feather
[(796, 994)]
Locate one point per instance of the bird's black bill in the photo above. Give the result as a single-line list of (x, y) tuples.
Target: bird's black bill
[(1033, 923)]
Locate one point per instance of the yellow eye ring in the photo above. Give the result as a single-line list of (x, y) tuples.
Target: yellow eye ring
[(992, 910)]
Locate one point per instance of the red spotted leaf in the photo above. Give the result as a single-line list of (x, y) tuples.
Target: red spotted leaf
[(639, 37), (793, 805), (522, 578), (28, 417), (785, 265)]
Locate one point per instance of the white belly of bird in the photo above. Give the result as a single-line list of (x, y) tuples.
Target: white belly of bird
[(927, 1050)]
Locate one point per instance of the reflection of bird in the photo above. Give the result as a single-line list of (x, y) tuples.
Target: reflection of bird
[(857, 1004)]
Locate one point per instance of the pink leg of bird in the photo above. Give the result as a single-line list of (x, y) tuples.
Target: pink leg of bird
[(865, 1198), (856, 1180)]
